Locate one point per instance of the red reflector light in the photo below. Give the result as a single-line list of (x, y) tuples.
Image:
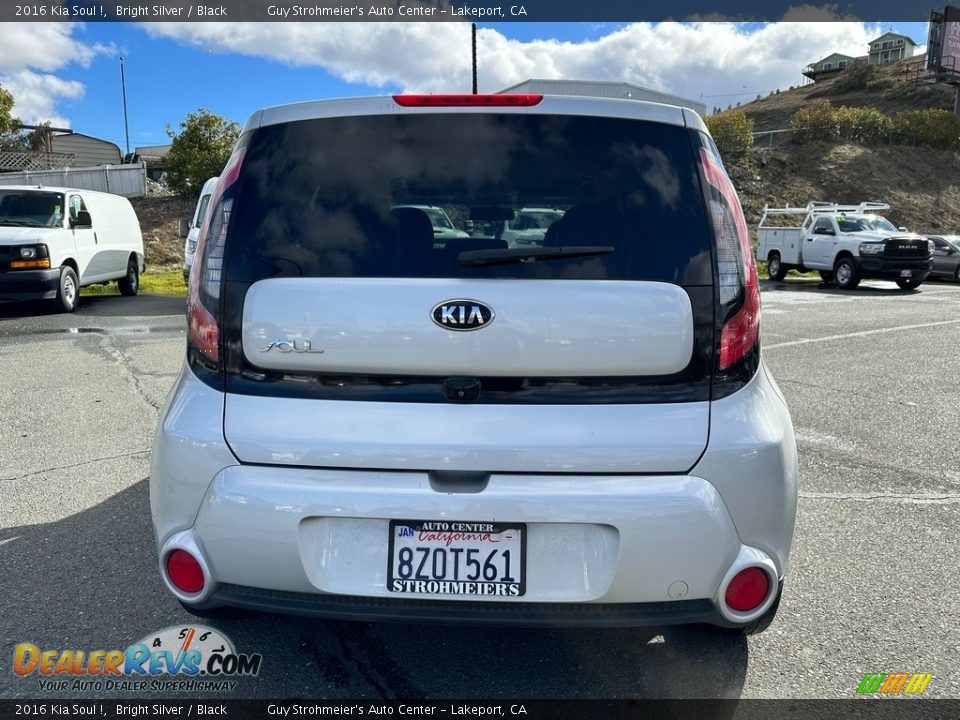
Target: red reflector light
[(184, 571), (467, 100), (747, 590)]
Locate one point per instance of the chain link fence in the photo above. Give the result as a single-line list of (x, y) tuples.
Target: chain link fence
[(779, 139)]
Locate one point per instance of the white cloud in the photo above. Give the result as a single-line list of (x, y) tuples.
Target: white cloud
[(32, 52), (36, 95), (712, 59)]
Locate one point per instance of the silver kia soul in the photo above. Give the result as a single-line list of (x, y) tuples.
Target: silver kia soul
[(376, 421)]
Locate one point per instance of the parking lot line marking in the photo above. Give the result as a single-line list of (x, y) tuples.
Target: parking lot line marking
[(861, 333)]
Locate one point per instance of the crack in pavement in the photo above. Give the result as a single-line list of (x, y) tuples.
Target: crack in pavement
[(79, 464), (916, 498), (112, 351)]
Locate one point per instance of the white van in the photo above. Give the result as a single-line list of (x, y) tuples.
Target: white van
[(53, 241), (190, 227)]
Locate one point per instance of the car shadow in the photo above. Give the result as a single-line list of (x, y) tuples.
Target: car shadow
[(821, 288), (143, 305), (90, 581)]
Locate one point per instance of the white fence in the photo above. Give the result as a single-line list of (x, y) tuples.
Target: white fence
[(128, 180)]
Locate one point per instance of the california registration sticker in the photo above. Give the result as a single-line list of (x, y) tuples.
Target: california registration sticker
[(457, 558)]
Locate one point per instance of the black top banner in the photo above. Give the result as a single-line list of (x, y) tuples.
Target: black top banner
[(488, 11)]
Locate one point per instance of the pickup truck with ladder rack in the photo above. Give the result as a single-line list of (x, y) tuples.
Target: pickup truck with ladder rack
[(846, 243)]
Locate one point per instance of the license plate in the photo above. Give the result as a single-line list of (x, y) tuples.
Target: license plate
[(906, 273), (447, 557)]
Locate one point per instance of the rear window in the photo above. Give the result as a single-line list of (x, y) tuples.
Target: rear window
[(356, 197)]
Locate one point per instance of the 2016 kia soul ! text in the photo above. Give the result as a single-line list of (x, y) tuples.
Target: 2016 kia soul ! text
[(377, 422)]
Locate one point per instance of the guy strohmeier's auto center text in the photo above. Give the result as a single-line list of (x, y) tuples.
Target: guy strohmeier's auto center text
[(386, 11)]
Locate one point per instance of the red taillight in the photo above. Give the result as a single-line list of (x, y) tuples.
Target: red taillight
[(203, 330), (737, 269), (739, 334), (467, 100), (747, 590), (184, 571)]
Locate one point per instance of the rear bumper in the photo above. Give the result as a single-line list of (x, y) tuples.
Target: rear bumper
[(30, 284), (625, 550), (892, 269), (615, 549), (517, 614)]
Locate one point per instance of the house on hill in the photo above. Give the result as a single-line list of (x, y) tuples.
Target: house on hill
[(890, 48), (829, 66), (887, 49)]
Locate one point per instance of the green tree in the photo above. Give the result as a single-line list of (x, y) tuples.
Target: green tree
[(200, 150), (10, 138), (732, 131), (7, 121)]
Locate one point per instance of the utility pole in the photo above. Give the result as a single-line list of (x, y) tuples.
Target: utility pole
[(473, 43), (123, 88)]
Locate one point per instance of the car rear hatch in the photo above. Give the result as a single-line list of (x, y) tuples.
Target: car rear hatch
[(353, 337)]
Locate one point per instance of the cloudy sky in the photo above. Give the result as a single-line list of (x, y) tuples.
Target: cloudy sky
[(69, 73)]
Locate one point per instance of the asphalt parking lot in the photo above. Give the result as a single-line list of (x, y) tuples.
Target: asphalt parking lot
[(873, 384)]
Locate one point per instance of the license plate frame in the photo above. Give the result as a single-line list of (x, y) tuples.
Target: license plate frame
[(451, 534)]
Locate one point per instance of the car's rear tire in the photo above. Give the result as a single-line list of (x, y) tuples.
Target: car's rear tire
[(129, 284), (68, 294), (845, 275), (775, 268), (908, 284), (826, 276)]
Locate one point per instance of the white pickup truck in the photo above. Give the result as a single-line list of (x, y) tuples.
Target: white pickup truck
[(846, 243)]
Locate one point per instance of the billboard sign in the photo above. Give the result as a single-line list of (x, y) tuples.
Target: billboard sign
[(950, 53)]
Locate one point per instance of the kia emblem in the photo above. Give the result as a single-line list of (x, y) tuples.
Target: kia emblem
[(462, 314)]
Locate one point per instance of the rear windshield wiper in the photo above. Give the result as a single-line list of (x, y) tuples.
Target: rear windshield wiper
[(506, 256)]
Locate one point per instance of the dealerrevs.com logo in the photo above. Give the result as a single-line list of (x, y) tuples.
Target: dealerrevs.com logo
[(187, 658)]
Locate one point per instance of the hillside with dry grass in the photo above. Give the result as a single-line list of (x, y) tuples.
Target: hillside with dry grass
[(921, 185), (889, 90), (159, 217)]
